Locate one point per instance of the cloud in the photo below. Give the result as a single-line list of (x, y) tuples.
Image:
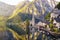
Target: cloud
[(11, 2), (15, 2)]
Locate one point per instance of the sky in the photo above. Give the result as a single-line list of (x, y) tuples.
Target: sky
[(15, 2)]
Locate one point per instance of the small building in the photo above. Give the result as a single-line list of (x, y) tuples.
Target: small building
[(56, 17)]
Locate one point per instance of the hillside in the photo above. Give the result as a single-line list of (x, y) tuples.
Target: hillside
[(5, 9)]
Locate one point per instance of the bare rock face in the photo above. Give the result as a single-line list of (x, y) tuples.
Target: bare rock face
[(5, 9)]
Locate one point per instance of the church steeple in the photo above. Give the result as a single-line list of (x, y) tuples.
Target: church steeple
[(33, 19)]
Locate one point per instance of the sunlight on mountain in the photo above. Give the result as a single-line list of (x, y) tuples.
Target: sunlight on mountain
[(17, 10)]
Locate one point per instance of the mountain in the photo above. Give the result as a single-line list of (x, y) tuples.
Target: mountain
[(37, 8), (5, 9), (39, 11)]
